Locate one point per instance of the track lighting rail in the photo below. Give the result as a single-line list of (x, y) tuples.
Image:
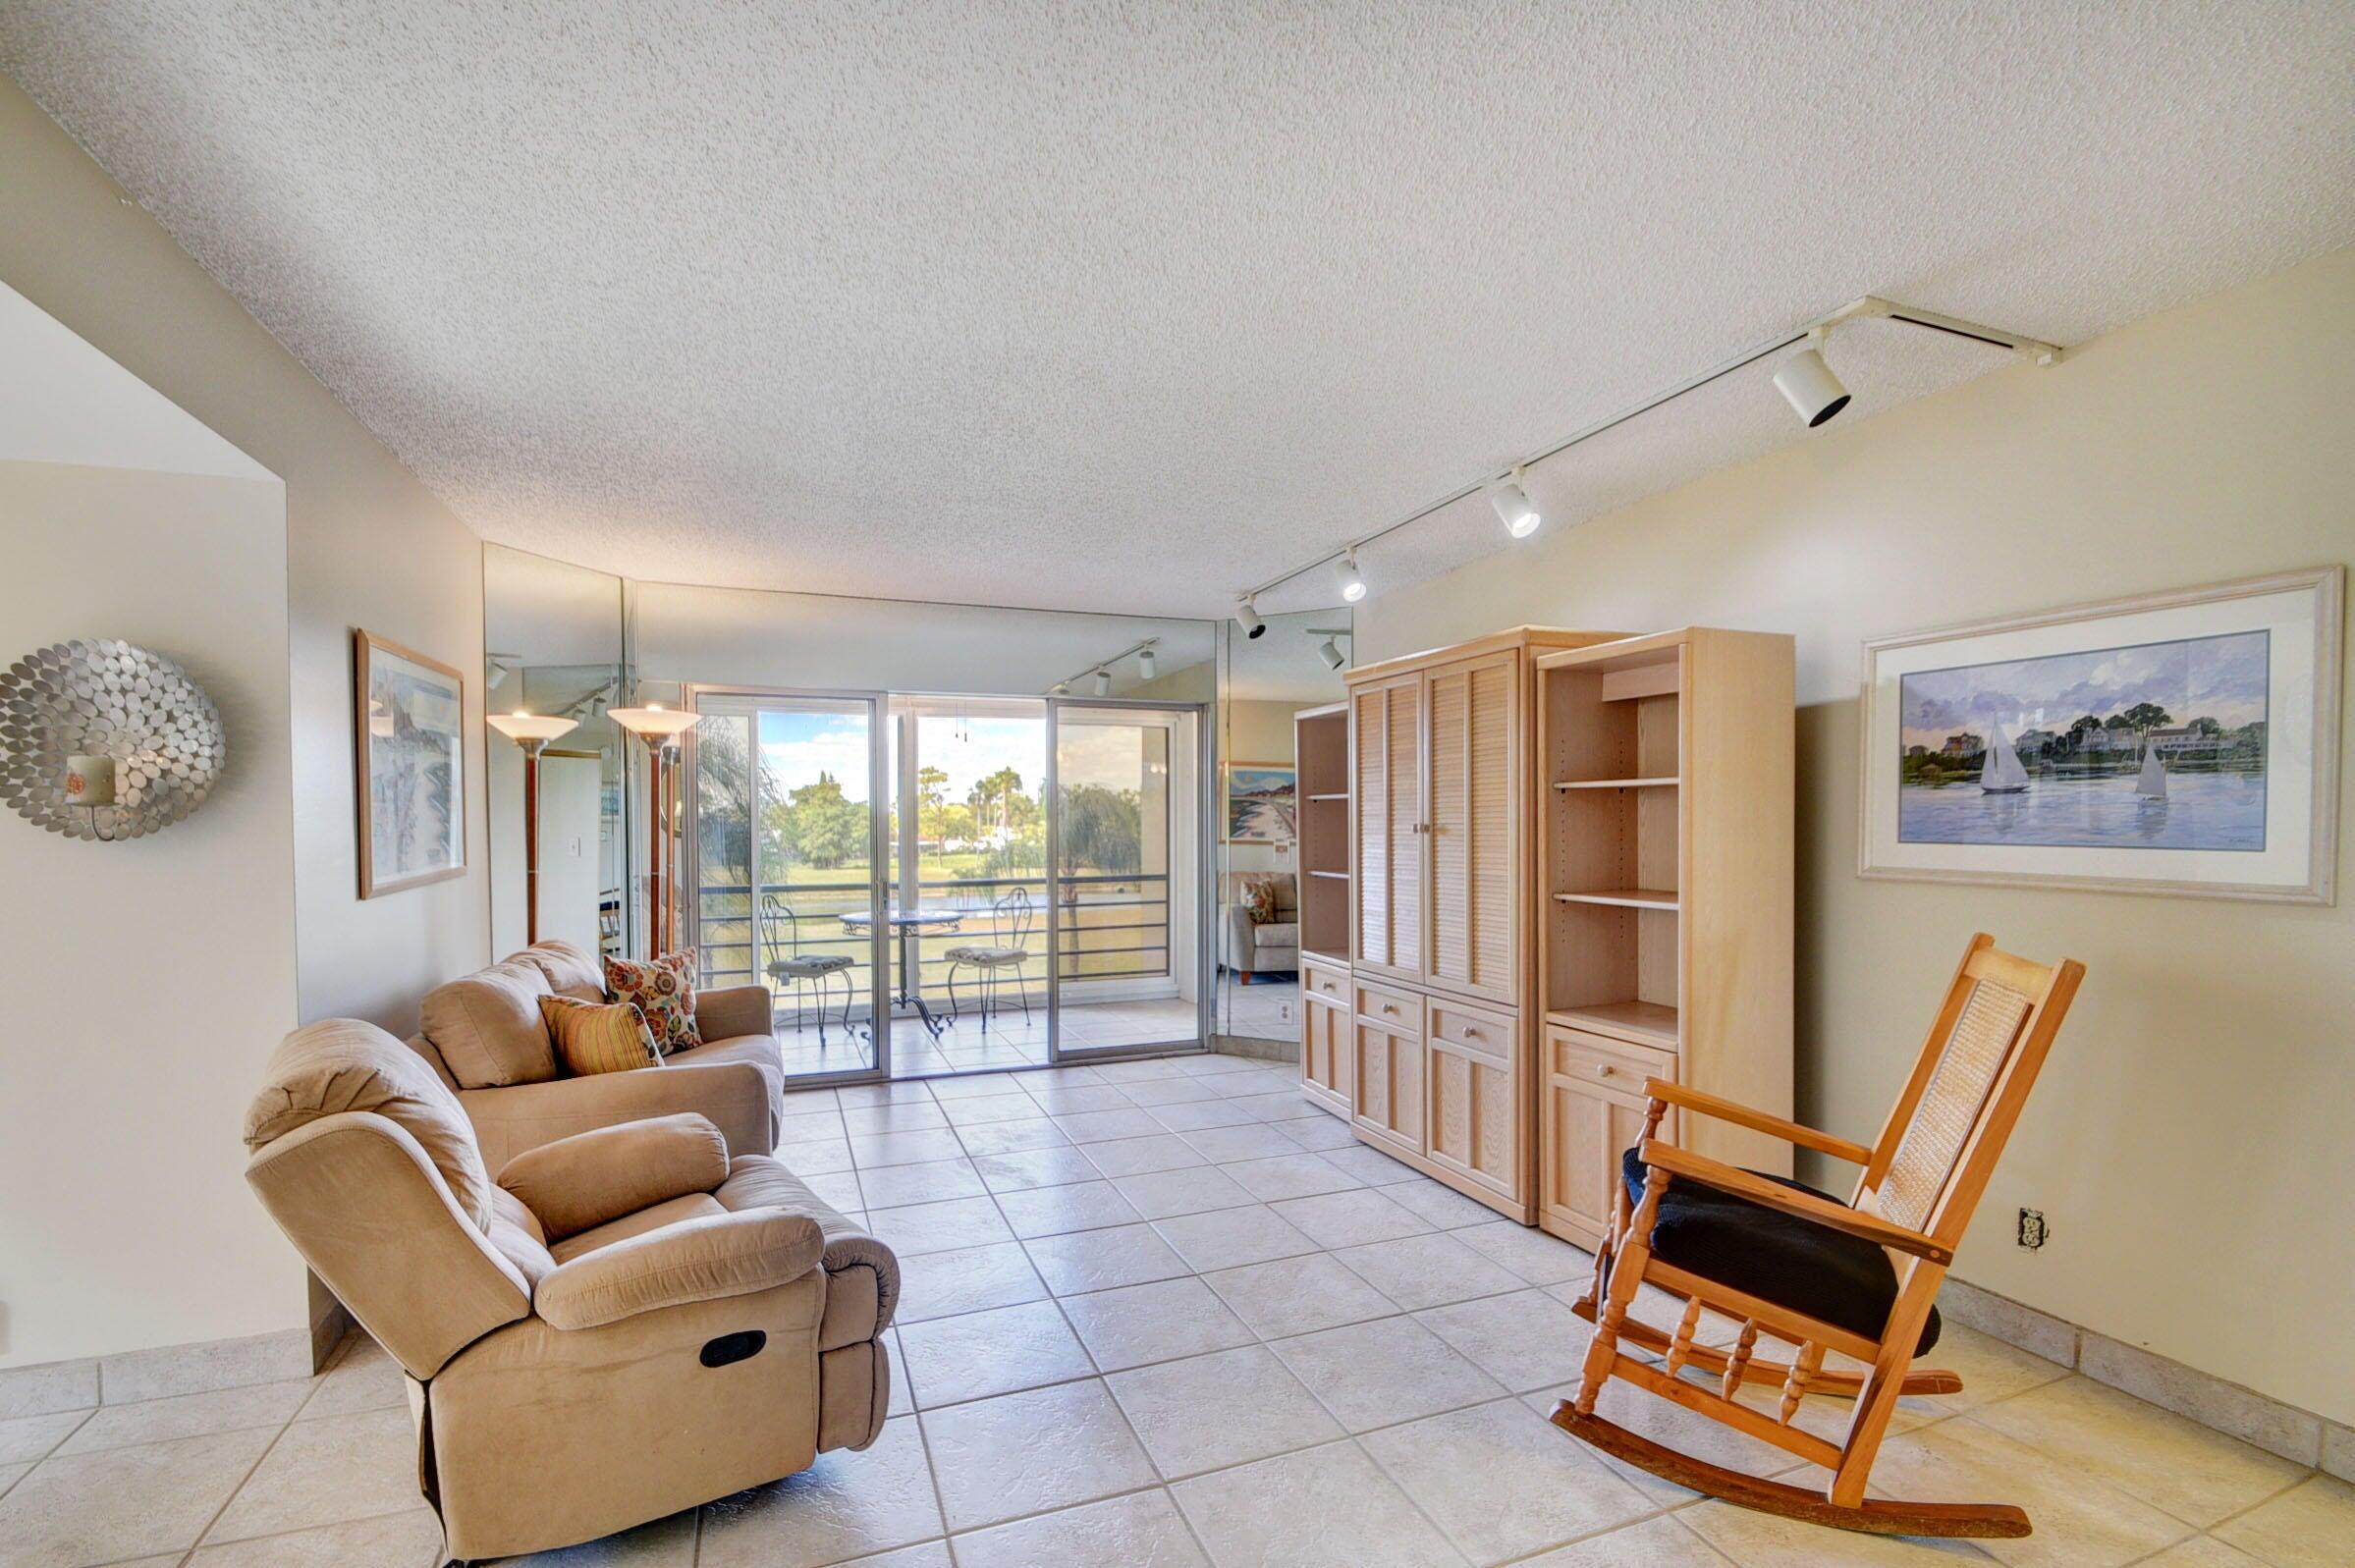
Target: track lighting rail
[(1102, 666), (2034, 350)]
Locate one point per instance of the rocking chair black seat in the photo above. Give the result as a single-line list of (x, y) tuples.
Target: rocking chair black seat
[(1843, 1279)]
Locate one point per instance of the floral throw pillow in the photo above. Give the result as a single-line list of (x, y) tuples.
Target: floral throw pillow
[(1259, 899), (664, 989)]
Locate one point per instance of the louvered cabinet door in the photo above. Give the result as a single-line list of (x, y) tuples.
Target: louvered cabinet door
[(1386, 782), (1475, 793)]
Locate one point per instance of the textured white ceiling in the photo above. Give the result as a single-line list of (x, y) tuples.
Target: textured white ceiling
[(1124, 306)]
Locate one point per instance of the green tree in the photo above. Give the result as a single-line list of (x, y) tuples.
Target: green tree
[(992, 798), (1103, 830), (2144, 716), (823, 827)]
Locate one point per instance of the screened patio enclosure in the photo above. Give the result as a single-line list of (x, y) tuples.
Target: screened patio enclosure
[(938, 884)]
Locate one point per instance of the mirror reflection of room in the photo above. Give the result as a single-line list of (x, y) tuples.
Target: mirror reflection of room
[(1293, 664), (552, 669)]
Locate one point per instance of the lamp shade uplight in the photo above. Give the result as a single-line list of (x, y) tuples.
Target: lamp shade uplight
[(526, 729), (655, 723)]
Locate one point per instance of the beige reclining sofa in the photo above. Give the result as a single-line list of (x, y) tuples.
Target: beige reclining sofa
[(627, 1322), (485, 1038)]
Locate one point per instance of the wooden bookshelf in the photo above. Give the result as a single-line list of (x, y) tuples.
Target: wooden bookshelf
[(1321, 752), (1664, 873)]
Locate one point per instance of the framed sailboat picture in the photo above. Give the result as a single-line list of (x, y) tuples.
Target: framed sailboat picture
[(2181, 742)]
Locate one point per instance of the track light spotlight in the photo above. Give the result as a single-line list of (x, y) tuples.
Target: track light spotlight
[(1144, 664), (1246, 615), (1060, 688), (1102, 682), (1514, 510), (1353, 586), (1330, 653), (1809, 385)]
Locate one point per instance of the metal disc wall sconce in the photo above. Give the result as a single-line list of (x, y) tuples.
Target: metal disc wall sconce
[(103, 740)]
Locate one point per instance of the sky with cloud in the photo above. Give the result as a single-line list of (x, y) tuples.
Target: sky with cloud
[(799, 746), (2217, 678)]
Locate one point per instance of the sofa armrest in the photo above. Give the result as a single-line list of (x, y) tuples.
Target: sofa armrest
[(579, 1183), (865, 1271), (695, 1260), (1239, 936), (733, 1094), (733, 1011)]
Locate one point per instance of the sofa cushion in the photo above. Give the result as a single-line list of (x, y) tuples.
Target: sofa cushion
[(341, 1064), (1258, 898), (593, 1037), (580, 1182), (1843, 1280), (664, 989), (569, 969), (488, 1027), (1277, 934)]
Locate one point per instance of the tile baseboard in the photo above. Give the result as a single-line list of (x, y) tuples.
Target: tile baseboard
[(1256, 1049), (2259, 1419)]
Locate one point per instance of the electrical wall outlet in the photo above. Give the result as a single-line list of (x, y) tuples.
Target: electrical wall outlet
[(2032, 1229), (1283, 1012)]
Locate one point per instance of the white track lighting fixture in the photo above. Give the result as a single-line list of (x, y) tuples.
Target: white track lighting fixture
[(1802, 377), (1060, 688), (1353, 586), (1330, 653), (1514, 510), (1102, 682), (1808, 384), (1144, 665)]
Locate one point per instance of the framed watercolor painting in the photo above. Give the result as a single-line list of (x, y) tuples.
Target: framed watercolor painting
[(410, 715), (1262, 802), (2178, 743)]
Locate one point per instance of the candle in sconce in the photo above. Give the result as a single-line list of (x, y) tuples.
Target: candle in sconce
[(90, 780)]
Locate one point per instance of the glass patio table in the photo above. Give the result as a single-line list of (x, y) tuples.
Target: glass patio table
[(908, 925)]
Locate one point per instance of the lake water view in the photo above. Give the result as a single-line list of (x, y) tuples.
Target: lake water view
[(2202, 811)]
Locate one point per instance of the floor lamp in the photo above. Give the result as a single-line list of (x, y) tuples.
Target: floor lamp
[(660, 729), (532, 733)]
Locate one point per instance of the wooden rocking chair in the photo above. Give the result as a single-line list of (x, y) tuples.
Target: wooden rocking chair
[(1801, 1268)]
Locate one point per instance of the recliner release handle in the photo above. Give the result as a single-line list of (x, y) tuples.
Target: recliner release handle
[(731, 1348)]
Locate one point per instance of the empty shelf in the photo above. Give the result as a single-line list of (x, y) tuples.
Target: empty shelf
[(1630, 897), (1617, 784), (1644, 1022)]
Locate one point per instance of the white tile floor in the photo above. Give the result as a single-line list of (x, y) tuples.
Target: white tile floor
[(970, 1044), (1129, 1336)]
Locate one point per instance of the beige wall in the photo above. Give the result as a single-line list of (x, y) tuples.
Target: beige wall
[(152, 973), (367, 546), (2190, 1143)]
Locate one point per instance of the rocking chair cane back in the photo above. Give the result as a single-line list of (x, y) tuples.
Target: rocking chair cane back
[(1786, 1261)]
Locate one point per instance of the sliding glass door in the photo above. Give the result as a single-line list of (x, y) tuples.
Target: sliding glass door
[(1125, 838), (787, 817)]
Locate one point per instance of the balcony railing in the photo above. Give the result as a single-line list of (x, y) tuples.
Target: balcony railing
[(1113, 927)]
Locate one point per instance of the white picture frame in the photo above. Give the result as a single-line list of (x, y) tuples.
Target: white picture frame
[(2242, 803)]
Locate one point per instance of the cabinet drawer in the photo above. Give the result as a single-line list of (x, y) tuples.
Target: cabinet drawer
[(1472, 1029), (1320, 980), (1603, 1064), (1399, 1011)]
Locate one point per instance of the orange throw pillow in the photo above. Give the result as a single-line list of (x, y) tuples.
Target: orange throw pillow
[(599, 1035), (663, 991)]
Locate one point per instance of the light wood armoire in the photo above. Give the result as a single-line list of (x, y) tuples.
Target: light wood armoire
[(1661, 900), (1429, 1036)]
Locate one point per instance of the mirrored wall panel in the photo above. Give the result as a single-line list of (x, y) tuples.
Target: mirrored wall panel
[(553, 655), (1293, 666)]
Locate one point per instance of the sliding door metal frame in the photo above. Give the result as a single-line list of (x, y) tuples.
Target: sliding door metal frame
[(879, 883), (1205, 839)]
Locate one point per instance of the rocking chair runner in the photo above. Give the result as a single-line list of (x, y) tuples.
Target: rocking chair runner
[(1801, 1268)]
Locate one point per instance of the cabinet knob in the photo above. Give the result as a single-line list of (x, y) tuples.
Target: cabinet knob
[(1469, 1033), (1601, 1069)]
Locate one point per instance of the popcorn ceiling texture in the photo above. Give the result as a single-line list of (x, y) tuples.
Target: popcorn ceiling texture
[(1125, 306)]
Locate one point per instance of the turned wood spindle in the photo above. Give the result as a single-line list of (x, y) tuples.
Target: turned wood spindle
[(1803, 1366), (1741, 1358), (1680, 1348)]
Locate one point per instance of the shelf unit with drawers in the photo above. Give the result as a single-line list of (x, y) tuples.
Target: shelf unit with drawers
[(1663, 768), (1321, 752)]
